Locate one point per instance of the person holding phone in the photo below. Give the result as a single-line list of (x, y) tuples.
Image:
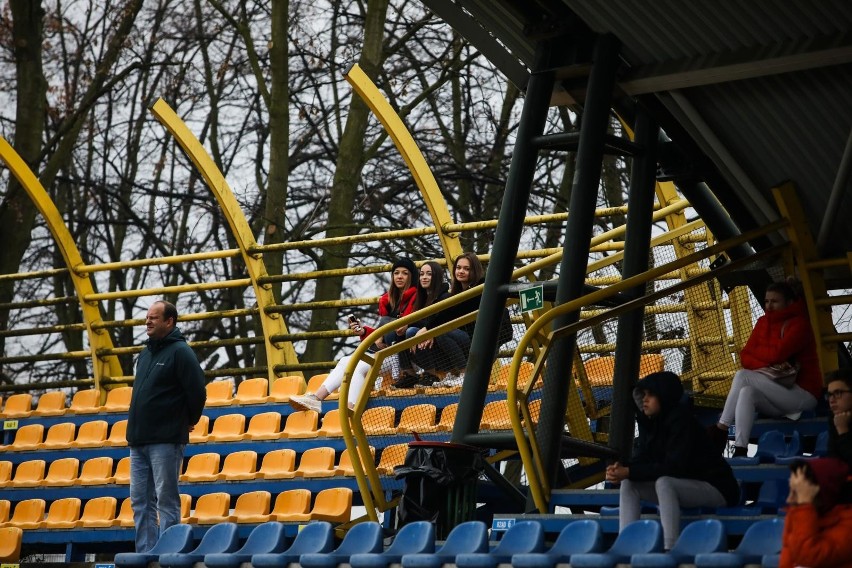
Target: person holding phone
[(397, 302)]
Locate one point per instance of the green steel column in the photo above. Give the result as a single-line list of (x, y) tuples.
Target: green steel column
[(578, 232), (637, 244), (506, 241)]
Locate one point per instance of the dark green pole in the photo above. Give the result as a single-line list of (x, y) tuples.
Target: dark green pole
[(578, 232), (506, 240), (637, 246)]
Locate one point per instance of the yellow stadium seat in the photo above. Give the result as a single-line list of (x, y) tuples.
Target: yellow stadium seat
[(535, 410), (117, 435), (199, 433), (333, 505), (85, 402), (62, 473), (239, 466), (51, 403), (63, 514), (201, 467), (525, 372), (98, 513), (285, 387), (10, 544), (59, 436), (419, 418), (291, 502), (251, 505), (344, 466), (125, 515), (278, 464), (391, 457), (5, 509), (651, 363), (315, 382), (220, 393), (495, 416), (18, 406), (27, 437), (96, 471), (448, 417), (316, 462), (228, 428), (28, 474), (118, 400), (301, 424), (252, 391), (122, 472), (5, 473), (330, 425), (264, 426), (185, 507), (379, 421), (211, 508), (91, 434), (28, 514), (499, 378), (600, 370)]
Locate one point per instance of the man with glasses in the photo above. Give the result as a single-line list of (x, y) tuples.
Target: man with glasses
[(839, 396)]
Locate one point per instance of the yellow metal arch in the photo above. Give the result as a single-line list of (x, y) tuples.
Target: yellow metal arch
[(102, 367), (272, 323), (414, 159)]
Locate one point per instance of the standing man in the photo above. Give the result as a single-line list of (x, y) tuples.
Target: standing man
[(168, 397)]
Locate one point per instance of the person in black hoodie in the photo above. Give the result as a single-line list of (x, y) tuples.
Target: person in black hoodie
[(167, 401), (674, 462)]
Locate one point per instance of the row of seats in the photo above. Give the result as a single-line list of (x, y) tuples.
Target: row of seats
[(332, 505), (237, 466), (219, 393), (579, 544), (65, 435)]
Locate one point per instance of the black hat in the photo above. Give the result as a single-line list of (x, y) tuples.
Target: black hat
[(406, 263)]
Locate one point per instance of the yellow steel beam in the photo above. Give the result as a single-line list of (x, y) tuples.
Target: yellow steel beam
[(813, 281), (272, 323), (414, 159), (98, 339)]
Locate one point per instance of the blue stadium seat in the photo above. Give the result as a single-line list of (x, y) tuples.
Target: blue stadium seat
[(267, 538), (697, 537), (821, 445), (363, 537), (770, 560), (522, 537), (578, 537), (218, 538), (471, 536), (413, 538), (793, 452), (639, 537), (770, 498), (316, 537), (176, 538), (761, 538)]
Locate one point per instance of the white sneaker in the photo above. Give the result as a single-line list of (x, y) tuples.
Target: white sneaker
[(306, 402)]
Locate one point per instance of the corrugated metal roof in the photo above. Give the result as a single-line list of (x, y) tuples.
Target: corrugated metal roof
[(763, 88)]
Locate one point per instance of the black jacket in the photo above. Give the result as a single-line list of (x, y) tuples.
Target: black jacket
[(839, 445), (168, 393), (457, 311), (674, 443)]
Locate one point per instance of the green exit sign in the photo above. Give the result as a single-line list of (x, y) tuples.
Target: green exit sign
[(532, 298)]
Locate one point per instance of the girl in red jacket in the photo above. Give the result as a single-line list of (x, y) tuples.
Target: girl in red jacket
[(782, 336), (397, 302), (817, 527)]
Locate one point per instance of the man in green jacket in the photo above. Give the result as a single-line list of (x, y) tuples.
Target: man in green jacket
[(168, 398)]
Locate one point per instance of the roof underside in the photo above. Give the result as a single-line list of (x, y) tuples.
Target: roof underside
[(761, 90)]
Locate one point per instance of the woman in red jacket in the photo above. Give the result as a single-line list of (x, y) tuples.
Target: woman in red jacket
[(397, 302), (782, 336), (817, 527)]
